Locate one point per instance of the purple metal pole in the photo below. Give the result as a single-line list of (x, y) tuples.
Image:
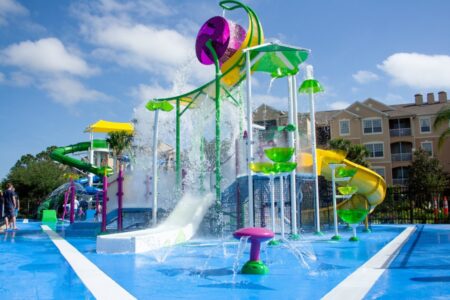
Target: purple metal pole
[(257, 235), (120, 198), (72, 201), (255, 248), (105, 199)]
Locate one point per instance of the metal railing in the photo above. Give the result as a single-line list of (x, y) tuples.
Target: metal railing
[(401, 156), (400, 132), (403, 206), (400, 181)]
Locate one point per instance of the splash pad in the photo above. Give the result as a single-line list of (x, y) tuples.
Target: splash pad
[(255, 236), (236, 54)]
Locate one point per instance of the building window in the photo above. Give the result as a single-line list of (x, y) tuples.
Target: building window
[(380, 171), (401, 151), (323, 135), (425, 125), (376, 150), (372, 126), (344, 127), (400, 175), (427, 147)]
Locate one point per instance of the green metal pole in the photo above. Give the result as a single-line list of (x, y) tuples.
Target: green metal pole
[(218, 169), (178, 154)]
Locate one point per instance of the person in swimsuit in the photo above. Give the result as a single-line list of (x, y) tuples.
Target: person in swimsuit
[(10, 206)]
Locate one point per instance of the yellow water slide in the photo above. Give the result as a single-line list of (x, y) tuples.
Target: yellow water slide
[(371, 186)]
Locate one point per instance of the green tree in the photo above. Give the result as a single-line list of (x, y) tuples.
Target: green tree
[(34, 177), (119, 141), (425, 172), (443, 118), (340, 144), (354, 152)]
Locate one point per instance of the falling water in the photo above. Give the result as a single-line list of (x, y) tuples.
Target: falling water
[(301, 252), (197, 127), (269, 89), (161, 254), (214, 249), (240, 252)]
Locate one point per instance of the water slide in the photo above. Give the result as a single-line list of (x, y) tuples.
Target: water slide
[(61, 155), (179, 227), (370, 184)]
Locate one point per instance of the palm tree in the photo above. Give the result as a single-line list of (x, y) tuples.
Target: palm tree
[(443, 118), (358, 154), (119, 141), (340, 144), (354, 152)]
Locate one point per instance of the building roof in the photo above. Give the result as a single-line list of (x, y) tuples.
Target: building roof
[(398, 110), (323, 117), (266, 112), (421, 110), (377, 105)]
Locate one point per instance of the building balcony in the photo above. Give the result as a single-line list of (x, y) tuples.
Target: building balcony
[(400, 132), (401, 156), (400, 181)]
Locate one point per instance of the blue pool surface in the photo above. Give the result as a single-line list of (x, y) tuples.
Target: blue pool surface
[(422, 268), (33, 267)]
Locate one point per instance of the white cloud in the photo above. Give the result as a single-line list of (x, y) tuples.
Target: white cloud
[(365, 76), (147, 43), (69, 91), (153, 91), (280, 103), (393, 98), (10, 8), (146, 92), (21, 79), (338, 105), (141, 7), (122, 38), (49, 65), (46, 55), (418, 70)]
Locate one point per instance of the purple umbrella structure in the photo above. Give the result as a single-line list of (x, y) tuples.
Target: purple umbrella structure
[(226, 38), (256, 236), (217, 30)]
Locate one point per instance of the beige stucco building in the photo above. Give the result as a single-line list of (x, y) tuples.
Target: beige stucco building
[(391, 133)]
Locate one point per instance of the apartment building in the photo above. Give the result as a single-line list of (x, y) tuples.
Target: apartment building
[(391, 133)]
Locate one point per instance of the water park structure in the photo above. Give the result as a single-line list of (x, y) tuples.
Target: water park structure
[(202, 180), (236, 54)]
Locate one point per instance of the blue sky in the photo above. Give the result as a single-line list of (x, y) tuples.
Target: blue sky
[(66, 64)]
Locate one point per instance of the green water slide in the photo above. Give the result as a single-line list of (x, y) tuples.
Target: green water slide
[(61, 155)]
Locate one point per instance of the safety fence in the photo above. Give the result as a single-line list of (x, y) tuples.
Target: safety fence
[(405, 206), (401, 206)]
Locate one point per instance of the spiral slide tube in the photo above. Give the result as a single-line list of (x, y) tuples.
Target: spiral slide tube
[(61, 155)]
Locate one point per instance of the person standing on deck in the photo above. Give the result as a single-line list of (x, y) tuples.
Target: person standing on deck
[(1, 204), (10, 205)]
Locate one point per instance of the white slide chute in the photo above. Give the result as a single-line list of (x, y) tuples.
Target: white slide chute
[(179, 227)]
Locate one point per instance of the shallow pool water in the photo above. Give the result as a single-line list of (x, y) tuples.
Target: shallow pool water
[(204, 268), (32, 268), (422, 268)]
